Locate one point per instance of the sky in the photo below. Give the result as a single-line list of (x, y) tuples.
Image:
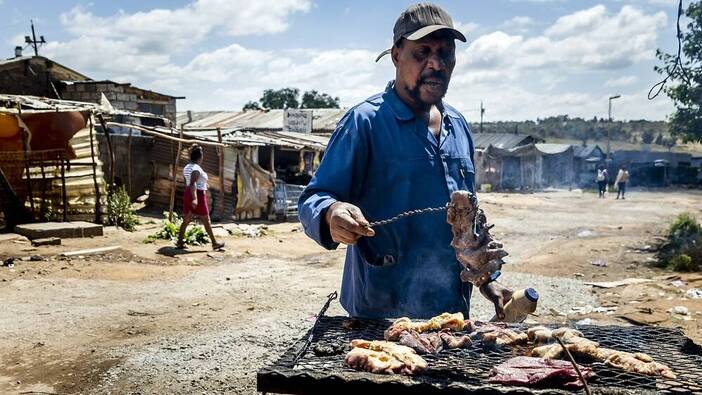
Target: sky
[(524, 59)]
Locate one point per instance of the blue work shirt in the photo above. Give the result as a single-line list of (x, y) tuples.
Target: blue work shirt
[(385, 160)]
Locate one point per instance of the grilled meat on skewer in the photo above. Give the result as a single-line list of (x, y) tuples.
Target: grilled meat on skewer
[(373, 361), (497, 335), (454, 341), (476, 249)]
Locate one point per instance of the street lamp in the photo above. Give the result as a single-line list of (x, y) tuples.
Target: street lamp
[(610, 120)]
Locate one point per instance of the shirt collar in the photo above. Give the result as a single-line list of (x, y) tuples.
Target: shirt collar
[(402, 111), (399, 108)]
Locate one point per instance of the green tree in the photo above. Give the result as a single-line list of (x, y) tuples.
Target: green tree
[(280, 99), (648, 136), (686, 121), (251, 105), (314, 99)]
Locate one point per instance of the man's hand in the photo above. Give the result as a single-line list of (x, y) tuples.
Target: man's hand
[(347, 223), (498, 295)]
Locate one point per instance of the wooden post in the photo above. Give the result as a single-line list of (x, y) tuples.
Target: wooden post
[(94, 164), (176, 162), (42, 209), (273, 160), (25, 146), (220, 152), (111, 153), (129, 163), (63, 189)]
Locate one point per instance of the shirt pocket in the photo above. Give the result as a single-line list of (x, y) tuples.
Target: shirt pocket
[(461, 173)]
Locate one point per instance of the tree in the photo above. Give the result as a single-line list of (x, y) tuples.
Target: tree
[(280, 99), (659, 139), (686, 121), (314, 99), (648, 136), (251, 105)]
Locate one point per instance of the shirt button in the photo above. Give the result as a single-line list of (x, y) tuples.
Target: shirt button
[(388, 260)]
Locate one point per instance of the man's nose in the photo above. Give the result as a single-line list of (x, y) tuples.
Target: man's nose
[(435, 62)]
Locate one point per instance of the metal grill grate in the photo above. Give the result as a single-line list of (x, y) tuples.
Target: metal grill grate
[(465, 371)]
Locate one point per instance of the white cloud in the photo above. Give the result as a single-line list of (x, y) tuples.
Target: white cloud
[(465, 28), (518, 76), (520, 24), (621, 81)]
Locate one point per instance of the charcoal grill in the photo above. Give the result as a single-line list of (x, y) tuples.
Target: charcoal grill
[(465, 371)]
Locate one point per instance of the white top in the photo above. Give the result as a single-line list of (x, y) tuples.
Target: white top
[(201, 182)]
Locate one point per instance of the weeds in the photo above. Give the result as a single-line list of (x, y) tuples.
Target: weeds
[(194, 234), (682, 250), (119, 210)]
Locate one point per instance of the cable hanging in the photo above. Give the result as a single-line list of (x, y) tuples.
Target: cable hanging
[(678, 69)]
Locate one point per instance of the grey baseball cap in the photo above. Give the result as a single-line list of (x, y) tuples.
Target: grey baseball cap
[(420, 20)]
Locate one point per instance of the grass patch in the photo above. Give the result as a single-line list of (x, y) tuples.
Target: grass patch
[(682, 249), (194, 234)]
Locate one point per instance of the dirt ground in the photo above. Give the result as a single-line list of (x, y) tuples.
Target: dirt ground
[(146, 318)]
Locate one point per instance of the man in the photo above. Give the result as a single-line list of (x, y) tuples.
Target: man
[(400, 150), (621, 180)]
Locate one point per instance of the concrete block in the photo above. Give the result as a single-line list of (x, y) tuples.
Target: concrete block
[(7, 237), (65, 230), (49, 241)]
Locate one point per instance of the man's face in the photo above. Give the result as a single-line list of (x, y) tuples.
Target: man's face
[(424, 68)]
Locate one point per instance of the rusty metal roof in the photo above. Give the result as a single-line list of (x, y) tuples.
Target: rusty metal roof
[(502, 140), (324, 120)]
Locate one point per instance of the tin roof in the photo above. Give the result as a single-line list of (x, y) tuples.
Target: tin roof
[(324, 120), (502, 140)]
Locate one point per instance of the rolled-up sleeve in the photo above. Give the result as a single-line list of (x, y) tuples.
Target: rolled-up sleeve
[(341, 169)]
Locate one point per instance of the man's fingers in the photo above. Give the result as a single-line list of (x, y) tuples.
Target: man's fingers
[(499, 307), (364, 226), (341, 235), (350, 223)]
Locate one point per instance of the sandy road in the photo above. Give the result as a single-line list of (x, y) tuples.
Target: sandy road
[(141, 321)]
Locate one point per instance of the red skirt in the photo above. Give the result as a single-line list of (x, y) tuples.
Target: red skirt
[(201, 208)]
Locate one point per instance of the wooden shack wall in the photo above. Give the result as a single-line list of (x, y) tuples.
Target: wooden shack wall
[(163, 156)]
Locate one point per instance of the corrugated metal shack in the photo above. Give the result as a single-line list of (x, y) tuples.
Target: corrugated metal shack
[(49, 159), (655, 168), (503, 140), (526, 167), (241, 178), (587, 159), (324, 120)]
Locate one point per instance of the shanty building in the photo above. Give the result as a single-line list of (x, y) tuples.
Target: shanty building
[(503, 140), (525, 167), (43, 77), (50, 169), (243, 168), (588, 157), (655, 168)]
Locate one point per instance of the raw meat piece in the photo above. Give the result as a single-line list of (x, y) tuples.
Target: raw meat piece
[(529, 371), (475, 247), (539, 334), (454, 341), (413, 363), (498, 335), (454, 322), (373, 361), (639, 363), (423, 343)]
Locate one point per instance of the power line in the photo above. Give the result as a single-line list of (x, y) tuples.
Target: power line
[(32, 41), (678, 70)]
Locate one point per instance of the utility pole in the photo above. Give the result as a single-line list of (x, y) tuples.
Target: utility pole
[(33, 40), (482, 112), (609, 127)]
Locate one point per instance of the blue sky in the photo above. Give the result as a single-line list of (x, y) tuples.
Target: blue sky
[(524, 59)]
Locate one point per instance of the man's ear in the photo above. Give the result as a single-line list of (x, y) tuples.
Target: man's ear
[(395, 55)]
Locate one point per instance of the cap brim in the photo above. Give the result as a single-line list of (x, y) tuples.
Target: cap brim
[(387, 51), (425, 31)]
